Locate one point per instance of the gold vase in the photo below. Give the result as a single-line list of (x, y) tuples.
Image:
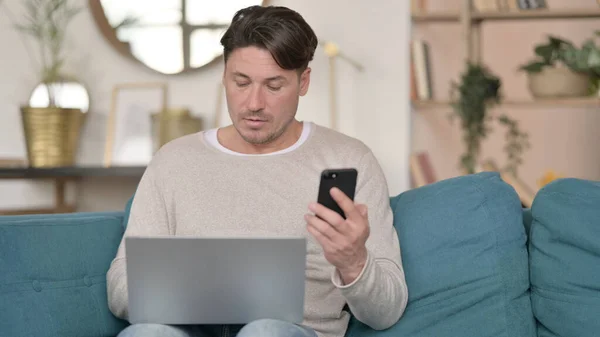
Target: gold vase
[(51, 135), (172, 124)]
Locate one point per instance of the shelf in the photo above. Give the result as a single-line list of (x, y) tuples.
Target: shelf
[(531, 14), (430, 104), (567, 102), (70, 172), (539, 14), (436, 17), (61, 176)]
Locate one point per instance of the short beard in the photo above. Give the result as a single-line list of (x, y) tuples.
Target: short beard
[(270, 137)]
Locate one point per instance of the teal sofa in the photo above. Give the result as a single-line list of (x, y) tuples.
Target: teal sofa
[(476, 264)]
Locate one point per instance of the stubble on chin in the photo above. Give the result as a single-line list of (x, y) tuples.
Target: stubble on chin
[(260, 137), (257, 137)]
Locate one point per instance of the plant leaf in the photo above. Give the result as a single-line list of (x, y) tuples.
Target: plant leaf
[(534, 67)]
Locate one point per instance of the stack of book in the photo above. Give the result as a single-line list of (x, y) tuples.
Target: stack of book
[(508, 5)]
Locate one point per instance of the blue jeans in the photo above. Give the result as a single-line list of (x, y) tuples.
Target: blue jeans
[(259, 328)]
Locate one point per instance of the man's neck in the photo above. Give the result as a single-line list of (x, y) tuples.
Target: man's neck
[(229, 138)]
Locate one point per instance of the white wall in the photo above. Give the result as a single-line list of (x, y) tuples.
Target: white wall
[(373, 104)]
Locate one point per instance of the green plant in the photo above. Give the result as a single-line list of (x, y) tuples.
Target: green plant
[(559, 52), (473, 98), (46, 21)]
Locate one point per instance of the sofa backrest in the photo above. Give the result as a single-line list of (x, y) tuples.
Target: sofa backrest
[(564, 254), (464, 253), (53, 274)]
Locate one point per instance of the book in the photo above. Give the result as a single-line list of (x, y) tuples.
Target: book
[(422, 69), (414, 95), (421, 170), (537, 4), (417, 6), (513, 5), (503, 5), (486, 5), (523, 4)]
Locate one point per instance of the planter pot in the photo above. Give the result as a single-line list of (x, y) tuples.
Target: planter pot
[(51, 135), (558, 83), (173, 124)]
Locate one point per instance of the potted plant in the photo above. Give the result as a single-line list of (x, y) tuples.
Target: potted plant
[(51, 132), (561, 69), (473, 98)]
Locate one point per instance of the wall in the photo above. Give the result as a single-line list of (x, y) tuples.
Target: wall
[(373, 104), (562, 138)]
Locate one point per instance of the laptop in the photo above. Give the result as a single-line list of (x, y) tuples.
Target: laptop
[(188, 280)]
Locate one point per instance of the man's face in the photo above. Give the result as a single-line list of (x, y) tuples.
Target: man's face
[(262, 98)]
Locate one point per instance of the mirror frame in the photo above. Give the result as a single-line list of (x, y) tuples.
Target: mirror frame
[(122, 48)]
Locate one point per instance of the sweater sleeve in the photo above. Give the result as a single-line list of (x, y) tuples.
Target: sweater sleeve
[(378, 296), (148, 216)]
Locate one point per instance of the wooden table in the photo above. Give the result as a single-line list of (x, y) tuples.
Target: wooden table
[(60, 176)]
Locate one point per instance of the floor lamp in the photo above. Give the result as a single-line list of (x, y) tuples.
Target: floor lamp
[(333, 52)]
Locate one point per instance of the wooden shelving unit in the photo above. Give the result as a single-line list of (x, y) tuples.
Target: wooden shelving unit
[(541, 103), (475, 17), (436, 17), (470, 22), (539, 14)]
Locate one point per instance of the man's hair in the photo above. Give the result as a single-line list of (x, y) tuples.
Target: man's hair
[(280, 30)]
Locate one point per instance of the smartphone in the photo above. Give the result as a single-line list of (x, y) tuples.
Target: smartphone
[(344, 179)]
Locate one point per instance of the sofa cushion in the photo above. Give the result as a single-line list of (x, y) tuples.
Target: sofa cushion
[(565, 258), (465, 260), (53, 279)]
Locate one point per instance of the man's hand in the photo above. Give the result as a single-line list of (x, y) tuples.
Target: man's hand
[(343, 241)]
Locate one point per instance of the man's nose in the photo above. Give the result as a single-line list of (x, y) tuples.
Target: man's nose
[(256, 101)]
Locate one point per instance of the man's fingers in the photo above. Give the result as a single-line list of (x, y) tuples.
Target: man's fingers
[(327, 215), (322, 227), (345, 203), (322, 239)]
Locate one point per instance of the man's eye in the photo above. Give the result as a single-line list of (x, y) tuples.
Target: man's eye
[(241, 85), (274, 88)]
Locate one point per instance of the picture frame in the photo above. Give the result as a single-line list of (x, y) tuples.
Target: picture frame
[(129, 140)]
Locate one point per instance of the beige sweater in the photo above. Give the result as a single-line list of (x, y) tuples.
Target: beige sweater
[(193, 189)]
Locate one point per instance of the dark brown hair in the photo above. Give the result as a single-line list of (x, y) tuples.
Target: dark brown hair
[(280, 30)]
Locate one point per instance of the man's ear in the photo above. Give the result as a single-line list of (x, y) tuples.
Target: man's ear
[(304, 81)]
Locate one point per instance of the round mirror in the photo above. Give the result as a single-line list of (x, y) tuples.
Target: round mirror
[(168, 36), (68, 94)]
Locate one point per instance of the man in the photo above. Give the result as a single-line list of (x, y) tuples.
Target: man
[(260, 176)]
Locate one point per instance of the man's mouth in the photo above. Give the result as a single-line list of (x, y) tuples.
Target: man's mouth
[(255, 122)]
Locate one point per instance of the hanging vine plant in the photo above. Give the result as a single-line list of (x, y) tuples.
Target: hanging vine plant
[(472, 99)]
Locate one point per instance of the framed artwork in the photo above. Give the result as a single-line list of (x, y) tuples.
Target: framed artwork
[(129, 140)]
